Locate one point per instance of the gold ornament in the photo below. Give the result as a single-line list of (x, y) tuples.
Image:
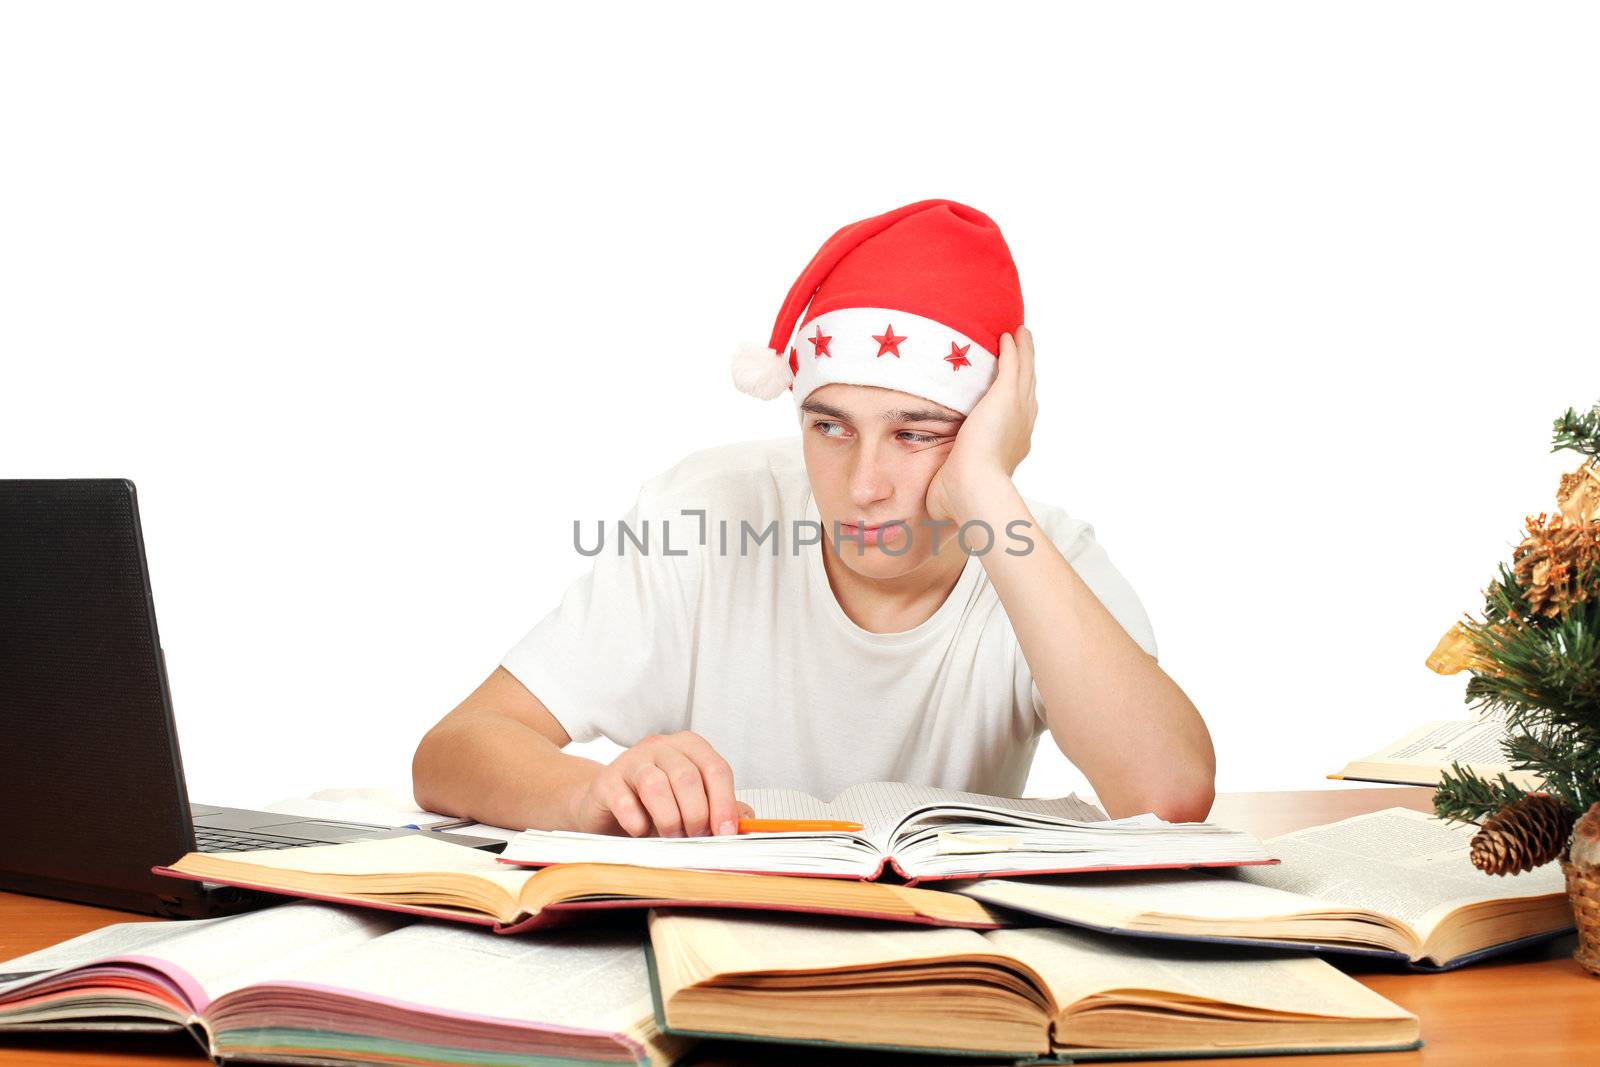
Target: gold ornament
[(1579, 494), (1554, 563), (1458, 651), (1454, 652)]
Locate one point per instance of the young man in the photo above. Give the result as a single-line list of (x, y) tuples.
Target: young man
[(872, 601)]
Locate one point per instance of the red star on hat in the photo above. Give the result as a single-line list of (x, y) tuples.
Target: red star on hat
[(821, 343), (888, 342), (958, 356)]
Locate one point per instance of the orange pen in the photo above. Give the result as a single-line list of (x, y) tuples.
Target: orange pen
[(785, 826)]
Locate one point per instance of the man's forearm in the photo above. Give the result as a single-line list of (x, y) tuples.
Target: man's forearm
[(1111, 709), (493, 769)]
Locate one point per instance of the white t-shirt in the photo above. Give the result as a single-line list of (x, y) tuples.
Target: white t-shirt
[(752, 651)]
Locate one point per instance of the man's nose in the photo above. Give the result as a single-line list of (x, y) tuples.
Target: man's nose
[(869, 480)]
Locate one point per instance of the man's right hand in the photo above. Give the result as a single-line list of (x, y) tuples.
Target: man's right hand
[(672, 786)]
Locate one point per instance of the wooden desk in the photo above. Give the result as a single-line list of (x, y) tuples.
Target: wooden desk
[(1537, 1006)]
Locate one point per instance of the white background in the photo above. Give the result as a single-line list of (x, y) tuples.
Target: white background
[(373, 300)]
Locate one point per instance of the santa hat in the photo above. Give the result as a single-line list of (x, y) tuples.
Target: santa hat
[(914, 299)]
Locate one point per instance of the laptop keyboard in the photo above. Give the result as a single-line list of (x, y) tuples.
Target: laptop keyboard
[(208, 840)]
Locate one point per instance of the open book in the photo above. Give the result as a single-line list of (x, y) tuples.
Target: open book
[(1014, 993), (1421, 756), (313, 983), (1394, 883), (921, 832), (422, 876)]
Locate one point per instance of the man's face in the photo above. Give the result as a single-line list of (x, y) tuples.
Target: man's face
[(870, 454)]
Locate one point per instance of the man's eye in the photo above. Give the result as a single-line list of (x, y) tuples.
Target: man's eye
[(824, 428), (917, 438)]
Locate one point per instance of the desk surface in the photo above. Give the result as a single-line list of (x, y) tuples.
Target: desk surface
[(1537, 1005)]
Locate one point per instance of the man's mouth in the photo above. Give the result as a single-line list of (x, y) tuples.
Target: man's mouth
[(870, 534)]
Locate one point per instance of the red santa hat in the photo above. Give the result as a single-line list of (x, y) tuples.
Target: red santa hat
[(914, 299)]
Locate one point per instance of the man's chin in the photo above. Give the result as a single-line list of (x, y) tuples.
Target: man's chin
[(874, 562)]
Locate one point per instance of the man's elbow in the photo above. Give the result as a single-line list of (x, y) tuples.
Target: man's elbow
[(425, 774), (1187, 793), (1191, 803)]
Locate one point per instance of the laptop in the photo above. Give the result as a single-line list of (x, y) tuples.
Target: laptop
[(92, 793)]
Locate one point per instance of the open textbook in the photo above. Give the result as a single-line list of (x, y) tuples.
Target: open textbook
[(423, 876), (921, 832), (1394, 883), (1421, 756), (1013, 993), (314, 983)]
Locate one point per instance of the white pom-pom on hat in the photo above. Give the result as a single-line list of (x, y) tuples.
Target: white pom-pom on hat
[(760, 371)]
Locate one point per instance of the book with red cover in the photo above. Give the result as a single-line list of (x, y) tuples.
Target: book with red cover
[(918, 834), (417, 875)]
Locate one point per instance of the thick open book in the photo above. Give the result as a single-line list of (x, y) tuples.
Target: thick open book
[(1421, 756), (1013, 993), (1394, 883), (422, 876), (920, 832), (314, 983)]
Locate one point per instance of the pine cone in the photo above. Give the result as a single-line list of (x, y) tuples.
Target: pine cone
[(1521, 836), (1586, 839), (1553, 561)]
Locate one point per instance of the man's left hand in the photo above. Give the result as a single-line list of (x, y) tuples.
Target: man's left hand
[(995, 436)]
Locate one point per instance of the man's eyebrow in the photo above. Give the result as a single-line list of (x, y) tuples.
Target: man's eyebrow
[(817, 407), (925, 415)]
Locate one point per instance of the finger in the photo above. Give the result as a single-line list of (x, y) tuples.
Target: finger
[(617, 796), (1025, 350), (687, 788), (717, 776), (1012, 362), (745, 810), (650, 785), (1008, 354)]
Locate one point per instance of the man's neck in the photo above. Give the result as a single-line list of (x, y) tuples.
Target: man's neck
[(894, 605)]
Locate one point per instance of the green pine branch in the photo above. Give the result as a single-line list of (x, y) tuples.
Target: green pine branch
[(1505, 597), (1565, 757), (1579, 433), (1545, 668), (1465, 796)]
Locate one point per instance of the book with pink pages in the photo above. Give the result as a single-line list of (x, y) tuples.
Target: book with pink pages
[(418, 875), (914, 833), (317, 983)]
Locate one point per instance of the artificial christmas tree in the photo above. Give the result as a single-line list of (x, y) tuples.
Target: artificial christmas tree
[(1534, 657)]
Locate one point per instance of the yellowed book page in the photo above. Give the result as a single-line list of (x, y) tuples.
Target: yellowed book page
[(400, 857), (1425, 753), (571, 880), (851, 982), (411, 869), (1075, 964), (1405, 864), (759, 944)]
